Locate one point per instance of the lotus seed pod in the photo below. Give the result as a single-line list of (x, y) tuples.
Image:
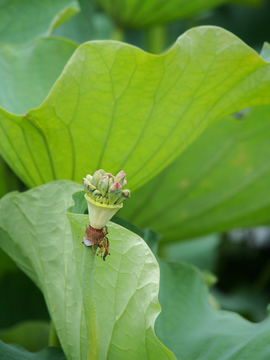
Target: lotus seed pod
[(103, 185), (120, 177), (104, 196), (100, 214)]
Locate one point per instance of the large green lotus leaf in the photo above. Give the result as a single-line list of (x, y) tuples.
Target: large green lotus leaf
[(117, 107), (35, 232), (265, 53), (22, 21), (193, 330), (125, 290), (28, 72), (220, 182), (187, 317), (139, 14), (15, 352)]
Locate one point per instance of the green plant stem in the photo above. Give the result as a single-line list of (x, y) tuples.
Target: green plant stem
[(53, 338), (156, 39), (88, 303), (118, 34)]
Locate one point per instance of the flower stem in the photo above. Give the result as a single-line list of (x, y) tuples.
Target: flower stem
[(118, 34), (156, 39), (88, 303), (53, 338)]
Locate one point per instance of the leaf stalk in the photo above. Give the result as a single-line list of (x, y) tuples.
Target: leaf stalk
[(89, 304)]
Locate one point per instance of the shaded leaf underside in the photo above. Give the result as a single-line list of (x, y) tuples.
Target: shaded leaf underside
[(138, 14)]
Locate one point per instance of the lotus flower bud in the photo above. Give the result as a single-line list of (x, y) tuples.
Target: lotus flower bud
[(103, 185), (90, 188), (115, 187), (97, 177), (114, 192), (111, 181), (124, 196), (95, 194), (102, 172), (89, 178), (120, 177), (99, 199), (85, 182)]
